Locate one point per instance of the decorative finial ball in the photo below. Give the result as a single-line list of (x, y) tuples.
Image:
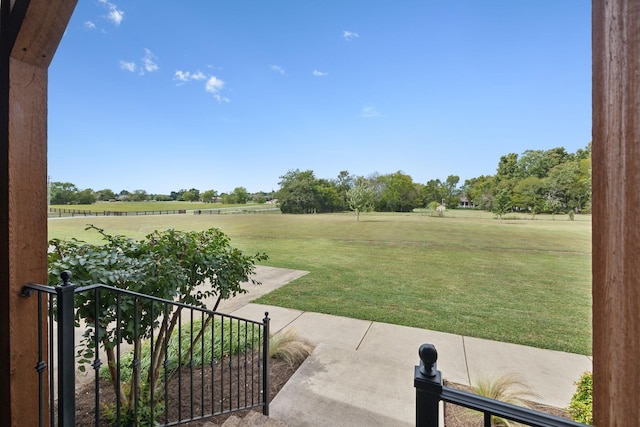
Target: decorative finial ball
[(428, 354)]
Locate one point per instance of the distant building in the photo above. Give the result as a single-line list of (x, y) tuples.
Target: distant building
[(464, 202)]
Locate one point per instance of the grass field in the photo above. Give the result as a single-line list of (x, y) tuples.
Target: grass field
[(520, 280)]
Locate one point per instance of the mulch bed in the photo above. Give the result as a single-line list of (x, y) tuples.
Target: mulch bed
[(236, 376)]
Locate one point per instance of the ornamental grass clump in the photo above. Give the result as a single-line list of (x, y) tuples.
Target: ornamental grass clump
[(287, 346), (508, 388)]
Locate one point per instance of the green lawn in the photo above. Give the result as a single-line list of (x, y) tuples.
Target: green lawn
[(520, 281)]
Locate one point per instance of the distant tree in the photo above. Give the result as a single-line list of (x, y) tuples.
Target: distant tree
[(508, 168), (209, 196), (452, 192), (297, 192), (343, 183), (86, 197), (328, 197), (361, 197), (527, 194), (138, 196), (63, 193), (502, 203), (190, 196), (399, 193), (240, 195), (161, 198), (105, 195), (480, 190), (433, 191), (177, 195)]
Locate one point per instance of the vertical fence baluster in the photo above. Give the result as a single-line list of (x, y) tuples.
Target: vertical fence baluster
[(202, 338), (51, 367), (265, 363), (135, 365), (150, 375), (118, 357), (213, 364), (179, 370), (166, 362), (191, 363), (238, 365)]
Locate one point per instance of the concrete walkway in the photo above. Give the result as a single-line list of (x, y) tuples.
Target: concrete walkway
[(361, 372)]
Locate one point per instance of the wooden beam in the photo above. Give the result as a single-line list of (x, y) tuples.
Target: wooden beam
[(616, 198), (31, 32)]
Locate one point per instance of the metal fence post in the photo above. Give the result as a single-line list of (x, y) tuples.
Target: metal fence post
[(66, 355), (428, 384), (265, 364)]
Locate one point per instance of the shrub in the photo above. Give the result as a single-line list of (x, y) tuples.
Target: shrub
[(581, 406)]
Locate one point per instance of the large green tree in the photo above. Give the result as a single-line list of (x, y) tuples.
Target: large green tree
[(63, 193), (398, 193), (297, 193)]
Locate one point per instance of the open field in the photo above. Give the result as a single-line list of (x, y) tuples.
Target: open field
[(521, 281)]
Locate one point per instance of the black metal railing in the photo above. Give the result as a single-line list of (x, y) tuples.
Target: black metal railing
[(430, 391), (213, 363)]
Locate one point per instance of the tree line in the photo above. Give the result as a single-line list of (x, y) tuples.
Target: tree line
[(538, 181), (66, 193)]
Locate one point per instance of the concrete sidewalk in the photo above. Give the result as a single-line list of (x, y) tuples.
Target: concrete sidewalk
[(361, 372)]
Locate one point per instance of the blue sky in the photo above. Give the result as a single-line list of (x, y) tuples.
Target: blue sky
[(205, 94)]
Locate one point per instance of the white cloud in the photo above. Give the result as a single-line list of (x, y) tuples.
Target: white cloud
[(350, 35), (114, 15), (128, 66), (148, 61), (369, 112), (187, 76), (148, 64), (89, 25), (278, 69), (212, 85), (319, 73)]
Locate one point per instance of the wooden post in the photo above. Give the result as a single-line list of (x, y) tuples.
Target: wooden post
[(616, 200), (30, 31)]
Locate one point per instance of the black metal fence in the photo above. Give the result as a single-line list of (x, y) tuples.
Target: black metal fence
[(430, 391), (209, 364), (226, 211), (60, 212)]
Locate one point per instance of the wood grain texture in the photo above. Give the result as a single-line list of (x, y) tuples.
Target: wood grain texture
[(616, 198), (31, 33)]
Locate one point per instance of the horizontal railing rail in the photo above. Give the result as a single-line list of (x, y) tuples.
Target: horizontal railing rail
[(84, 212), (430, 391), (212, 363)]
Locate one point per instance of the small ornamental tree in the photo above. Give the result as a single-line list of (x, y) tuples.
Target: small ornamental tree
[(361, 197), (188, 267), (502, 203)]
